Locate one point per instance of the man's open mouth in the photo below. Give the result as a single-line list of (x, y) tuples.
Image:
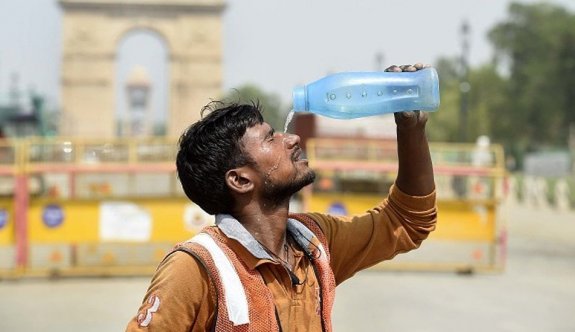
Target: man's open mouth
[(297, 155)]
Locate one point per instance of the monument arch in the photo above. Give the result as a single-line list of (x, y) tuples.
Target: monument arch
[(91, 33)]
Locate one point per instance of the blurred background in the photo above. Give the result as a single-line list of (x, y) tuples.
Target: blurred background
[(94, 94)]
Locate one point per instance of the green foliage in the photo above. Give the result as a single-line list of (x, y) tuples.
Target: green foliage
[(525, 98), (485, 103), (538, 43), (445, 123), (270, 103), (489, 105)]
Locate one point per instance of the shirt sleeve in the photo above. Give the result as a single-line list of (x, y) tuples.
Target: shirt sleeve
[(179, 298), (398, 224)]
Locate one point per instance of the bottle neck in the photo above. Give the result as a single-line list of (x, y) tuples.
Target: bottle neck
[(300, 103)]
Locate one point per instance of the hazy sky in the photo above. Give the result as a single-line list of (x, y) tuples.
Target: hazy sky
[(277, 44)]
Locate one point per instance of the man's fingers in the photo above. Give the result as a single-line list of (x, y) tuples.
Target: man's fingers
[(410, 118), (407, 68)]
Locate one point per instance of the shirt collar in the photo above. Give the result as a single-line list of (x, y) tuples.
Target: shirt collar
[(233, 229)]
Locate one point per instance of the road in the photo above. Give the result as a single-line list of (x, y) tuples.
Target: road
[(536, 292)]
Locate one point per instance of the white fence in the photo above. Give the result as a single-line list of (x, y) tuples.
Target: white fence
[(541, 192)]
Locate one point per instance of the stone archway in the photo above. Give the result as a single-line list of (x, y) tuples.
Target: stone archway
[(91, 32)]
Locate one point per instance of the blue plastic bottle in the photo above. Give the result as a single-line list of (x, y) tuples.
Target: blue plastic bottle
[(359, 94)]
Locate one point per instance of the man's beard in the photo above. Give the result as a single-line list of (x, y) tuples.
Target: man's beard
[(280, 192)]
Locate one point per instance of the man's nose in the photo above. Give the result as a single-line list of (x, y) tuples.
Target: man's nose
[(291, 140)]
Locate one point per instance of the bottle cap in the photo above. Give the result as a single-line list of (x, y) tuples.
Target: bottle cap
[(299, 99)]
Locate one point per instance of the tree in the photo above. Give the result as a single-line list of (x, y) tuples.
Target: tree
[(270, 103), (538, 43), (486, 103), (445, 122), (489, 105)]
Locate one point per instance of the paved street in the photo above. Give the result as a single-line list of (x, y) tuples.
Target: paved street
[(535, 293)]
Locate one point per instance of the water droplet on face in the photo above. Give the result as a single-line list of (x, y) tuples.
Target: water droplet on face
[(364, 94), (273, 169), (348, 95), (380, 93), (332, 96)]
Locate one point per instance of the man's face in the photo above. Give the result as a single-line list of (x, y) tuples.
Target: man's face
[(279, 160)]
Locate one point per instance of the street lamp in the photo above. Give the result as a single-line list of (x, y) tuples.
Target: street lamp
[(464, 86), (138, 89)]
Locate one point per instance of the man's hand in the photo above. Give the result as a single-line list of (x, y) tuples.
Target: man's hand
[(410, 118), (415, 173)]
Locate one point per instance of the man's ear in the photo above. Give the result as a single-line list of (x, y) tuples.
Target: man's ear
[(239, 180)]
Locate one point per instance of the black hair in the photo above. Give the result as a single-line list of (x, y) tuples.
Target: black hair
[(211, 147)]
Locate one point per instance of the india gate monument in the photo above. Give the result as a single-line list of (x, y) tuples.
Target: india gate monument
[(91, 33)]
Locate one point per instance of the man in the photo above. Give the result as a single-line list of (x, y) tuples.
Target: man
[(260, 268)]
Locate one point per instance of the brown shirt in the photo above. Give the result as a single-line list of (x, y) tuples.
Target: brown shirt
[(180, 297)]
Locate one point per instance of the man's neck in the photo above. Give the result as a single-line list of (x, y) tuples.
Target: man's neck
[(266, 226)]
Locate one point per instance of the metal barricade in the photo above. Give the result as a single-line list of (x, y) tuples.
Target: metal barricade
[(353, 175), (92, 207)]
